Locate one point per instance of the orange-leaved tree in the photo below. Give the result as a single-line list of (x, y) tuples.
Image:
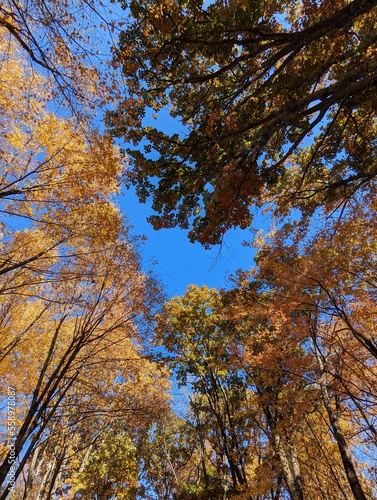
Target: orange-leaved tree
[(328, 276), (73, 297), (58, 176), (70, 41)]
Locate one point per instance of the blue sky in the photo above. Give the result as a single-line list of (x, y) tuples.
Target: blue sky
[(180, 263)]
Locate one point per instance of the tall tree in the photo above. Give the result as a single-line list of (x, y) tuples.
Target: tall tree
[(191, 329), (277, 370), (283, 390), (58, 176), (328, 276), (79, 353), (250, 82), (170, 462), (72, 293)]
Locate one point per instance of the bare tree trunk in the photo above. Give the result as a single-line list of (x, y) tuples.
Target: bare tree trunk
[(285, 449), (32, 474), (291, 468), (344, 451), (47, 478)]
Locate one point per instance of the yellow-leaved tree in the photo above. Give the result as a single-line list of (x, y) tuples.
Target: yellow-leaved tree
[(73, 297), (72, 42)]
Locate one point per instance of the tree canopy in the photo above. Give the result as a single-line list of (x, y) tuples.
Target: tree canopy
[(74, 301), (274, 101), (65, 40)]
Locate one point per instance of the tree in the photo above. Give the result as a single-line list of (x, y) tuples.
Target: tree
[(277, 369), (63, 306), (249, 83), (58, 176), (168, 454), (74, 302), (58, 179), (328, 276), (79, 355), (66, 40), (111, 470), (283, 390), (302, 367), (190, 327)]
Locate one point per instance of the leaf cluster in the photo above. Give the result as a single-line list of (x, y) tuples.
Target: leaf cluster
[(275, 101)]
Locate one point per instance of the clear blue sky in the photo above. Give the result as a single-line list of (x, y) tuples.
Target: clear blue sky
[(180, 263)]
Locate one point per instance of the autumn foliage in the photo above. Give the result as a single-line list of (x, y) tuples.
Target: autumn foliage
[(75, 305), (274, 99), (275, 103)]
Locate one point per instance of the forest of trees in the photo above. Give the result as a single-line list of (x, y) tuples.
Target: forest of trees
[(274, 108)]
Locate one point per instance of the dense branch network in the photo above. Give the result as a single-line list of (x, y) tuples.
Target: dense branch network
[(250, 85)]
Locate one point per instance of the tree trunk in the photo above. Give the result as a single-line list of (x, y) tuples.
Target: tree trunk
[(291, 469), (344, 451)]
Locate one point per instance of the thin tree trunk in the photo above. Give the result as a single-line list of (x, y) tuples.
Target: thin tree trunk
[(32, 474), (286, 452), (47, 479), (344, 451)]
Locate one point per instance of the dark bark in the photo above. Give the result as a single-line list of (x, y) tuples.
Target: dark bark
[(346, 456)]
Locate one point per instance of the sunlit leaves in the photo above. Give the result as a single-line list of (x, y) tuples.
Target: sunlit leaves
[(252, 85), (74, 303), (66, 40)]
